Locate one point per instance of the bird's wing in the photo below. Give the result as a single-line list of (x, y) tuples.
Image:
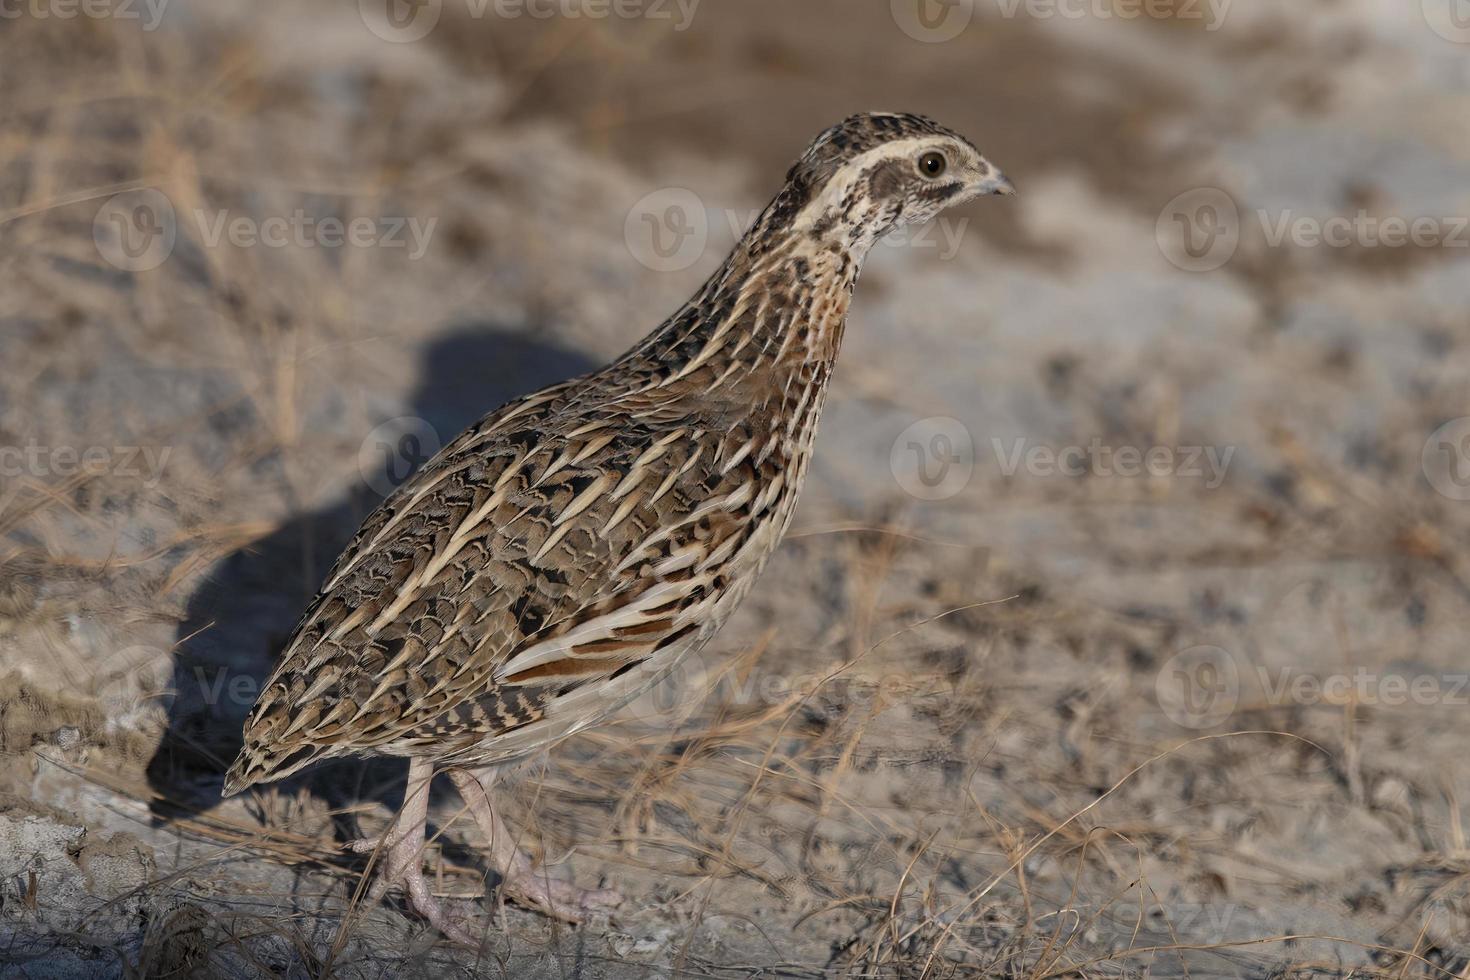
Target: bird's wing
[(549, 547)]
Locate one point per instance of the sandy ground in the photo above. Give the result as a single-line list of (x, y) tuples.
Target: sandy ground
[(1122, 629)]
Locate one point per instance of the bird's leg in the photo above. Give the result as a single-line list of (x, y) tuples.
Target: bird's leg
[(402, 857), (521, 881)]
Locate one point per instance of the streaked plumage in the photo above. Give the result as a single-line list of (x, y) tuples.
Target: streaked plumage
[(565, 552)]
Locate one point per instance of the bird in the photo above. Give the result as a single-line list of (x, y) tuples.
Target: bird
[(564, 553)]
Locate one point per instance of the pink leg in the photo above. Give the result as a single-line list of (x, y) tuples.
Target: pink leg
[(558, 899), (403, 859)]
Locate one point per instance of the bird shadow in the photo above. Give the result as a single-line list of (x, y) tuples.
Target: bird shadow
[(239, 619)]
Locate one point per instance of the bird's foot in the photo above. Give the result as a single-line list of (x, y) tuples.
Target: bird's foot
[(559, 899), (402, 864), (522, 882), (422, 901)]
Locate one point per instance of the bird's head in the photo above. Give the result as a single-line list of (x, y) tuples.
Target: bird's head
[(874, 172)]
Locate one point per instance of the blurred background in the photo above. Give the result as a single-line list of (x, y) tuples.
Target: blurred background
[(1121, 630)]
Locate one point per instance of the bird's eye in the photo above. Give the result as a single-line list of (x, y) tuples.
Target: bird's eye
[(933, 164)]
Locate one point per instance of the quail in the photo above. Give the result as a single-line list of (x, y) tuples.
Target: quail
[(565, 552)]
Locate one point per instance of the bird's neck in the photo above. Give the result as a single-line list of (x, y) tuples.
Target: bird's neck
[(772, 315)]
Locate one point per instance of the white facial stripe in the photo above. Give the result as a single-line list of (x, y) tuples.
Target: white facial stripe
[(837, 187)]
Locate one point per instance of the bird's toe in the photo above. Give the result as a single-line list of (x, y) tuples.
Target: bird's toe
[(560, 899)]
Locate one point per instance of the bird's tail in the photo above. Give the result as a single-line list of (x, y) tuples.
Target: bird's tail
[(257, 765)]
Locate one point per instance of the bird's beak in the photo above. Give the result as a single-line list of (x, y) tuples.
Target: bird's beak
[(995, 182)]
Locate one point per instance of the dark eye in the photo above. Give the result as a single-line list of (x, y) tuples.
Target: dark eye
[(932, 164)]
